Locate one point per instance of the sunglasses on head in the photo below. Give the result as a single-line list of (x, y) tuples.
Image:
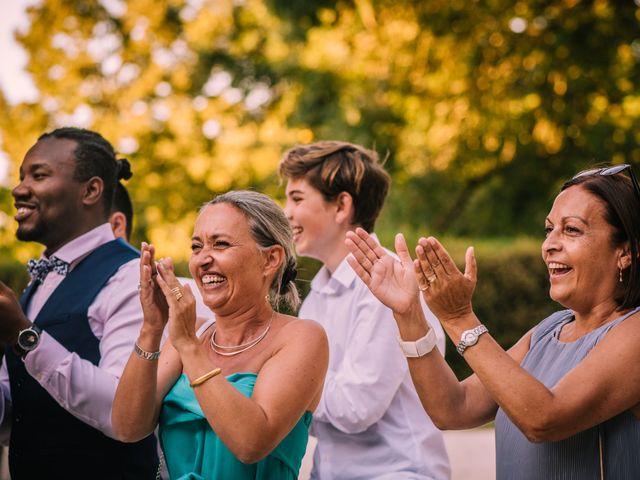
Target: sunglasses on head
[(613, 171)]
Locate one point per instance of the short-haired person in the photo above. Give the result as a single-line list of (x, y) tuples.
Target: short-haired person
[(369, 423), (76, 322), (566, 396), (121, 220), (233, 396)]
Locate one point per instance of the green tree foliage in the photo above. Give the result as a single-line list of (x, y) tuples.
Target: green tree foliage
[(483, 107)]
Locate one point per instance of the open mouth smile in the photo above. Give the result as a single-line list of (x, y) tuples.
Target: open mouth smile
[(212, 279), (24, 211), (558, 269)]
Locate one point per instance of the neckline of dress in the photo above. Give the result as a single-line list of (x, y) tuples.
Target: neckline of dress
[(570, 317)]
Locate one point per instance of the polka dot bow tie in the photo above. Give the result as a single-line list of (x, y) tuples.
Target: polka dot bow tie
[(38, 269)]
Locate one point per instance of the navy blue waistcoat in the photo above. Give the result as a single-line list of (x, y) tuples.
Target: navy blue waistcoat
[(46, 440)]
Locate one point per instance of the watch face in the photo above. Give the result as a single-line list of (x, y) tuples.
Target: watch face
[(28, 339), (469, 338)]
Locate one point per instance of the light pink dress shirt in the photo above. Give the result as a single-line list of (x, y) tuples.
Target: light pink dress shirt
[(115, 317)]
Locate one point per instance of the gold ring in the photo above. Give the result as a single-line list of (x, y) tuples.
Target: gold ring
[(432, 278), (177, 292), (422, 289)]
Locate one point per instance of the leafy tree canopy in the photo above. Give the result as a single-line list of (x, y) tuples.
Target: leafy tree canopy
[(483, 108)]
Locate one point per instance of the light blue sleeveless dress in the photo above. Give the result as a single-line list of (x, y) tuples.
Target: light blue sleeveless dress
[(193, 450), (577, 457)]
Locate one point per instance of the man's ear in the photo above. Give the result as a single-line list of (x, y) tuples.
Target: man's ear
[(93, 190), (344, 208), (118, 223)]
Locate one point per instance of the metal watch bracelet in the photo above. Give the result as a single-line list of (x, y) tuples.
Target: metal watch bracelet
[(144, 354)]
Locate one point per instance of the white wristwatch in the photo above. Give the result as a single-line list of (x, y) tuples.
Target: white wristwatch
[(470, 338), (420, 347)]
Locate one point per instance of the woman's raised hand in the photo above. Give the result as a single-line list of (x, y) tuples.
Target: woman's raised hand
[(446, 290), (182, 306), (392, 281), (154, 305)]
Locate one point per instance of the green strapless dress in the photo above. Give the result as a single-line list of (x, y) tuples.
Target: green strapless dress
[(193, 450)]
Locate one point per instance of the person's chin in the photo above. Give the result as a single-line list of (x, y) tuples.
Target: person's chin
[(301, 251), (25, 233), (560, 296)]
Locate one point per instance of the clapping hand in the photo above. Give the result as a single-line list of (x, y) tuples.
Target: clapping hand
[(392, 281), (12, 318), (154, 304), (181, 303), (446, 290)]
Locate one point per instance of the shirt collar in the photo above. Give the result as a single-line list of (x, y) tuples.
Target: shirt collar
[(342, 278), (79, 247)]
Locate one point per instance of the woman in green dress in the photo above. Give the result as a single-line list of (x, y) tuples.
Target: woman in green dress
[(233, 397)]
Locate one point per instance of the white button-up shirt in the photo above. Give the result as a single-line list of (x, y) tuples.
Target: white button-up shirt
[(370, 423)]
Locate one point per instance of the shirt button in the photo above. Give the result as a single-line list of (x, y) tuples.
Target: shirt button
[(18, 418)]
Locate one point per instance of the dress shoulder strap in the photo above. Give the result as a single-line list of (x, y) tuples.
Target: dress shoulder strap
[(547, 325)]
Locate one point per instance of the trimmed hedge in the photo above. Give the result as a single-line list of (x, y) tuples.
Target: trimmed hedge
[(512, 296)]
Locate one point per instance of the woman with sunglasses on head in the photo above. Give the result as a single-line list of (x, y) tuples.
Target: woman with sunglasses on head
[(566, 396), (232, 397)]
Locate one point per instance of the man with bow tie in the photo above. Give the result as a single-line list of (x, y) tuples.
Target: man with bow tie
[(73, 330)]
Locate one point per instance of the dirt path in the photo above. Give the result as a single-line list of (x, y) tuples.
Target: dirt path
[(471, 453)]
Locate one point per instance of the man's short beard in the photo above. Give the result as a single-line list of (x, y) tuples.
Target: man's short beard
[(31, 235)]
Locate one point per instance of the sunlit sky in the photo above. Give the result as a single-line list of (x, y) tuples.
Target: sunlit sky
[(15, 83)]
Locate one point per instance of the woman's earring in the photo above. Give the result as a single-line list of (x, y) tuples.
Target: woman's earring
[(620, 277)]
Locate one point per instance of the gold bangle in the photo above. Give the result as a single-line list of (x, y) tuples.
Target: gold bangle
[(205, 377)]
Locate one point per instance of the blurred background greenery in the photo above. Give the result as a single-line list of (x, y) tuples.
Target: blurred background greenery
[(482, 108)]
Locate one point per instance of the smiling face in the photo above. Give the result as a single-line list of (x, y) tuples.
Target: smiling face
[(226, 263), (313, 221), (48, 199), (583, 263)]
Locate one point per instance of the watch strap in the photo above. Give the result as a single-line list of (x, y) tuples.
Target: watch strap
[(420, 347)]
